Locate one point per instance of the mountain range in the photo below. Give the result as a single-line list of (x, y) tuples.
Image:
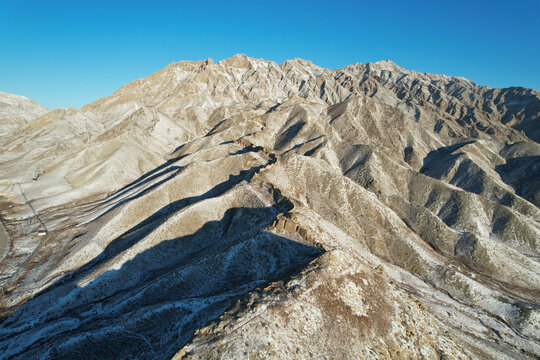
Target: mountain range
[(252, 210)]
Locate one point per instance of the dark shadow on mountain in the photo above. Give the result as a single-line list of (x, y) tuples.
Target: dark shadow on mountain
[(142, 180), (440, 153), (273, 108), (175, 171), (246, 149), (288, 135), (145, 227), (146, 175), (297, 146), (523, 174), (178, 148), (439, 167), (152, 305), (408, 153), (355, 157), (156, 173), (314, 150), (213, 129)]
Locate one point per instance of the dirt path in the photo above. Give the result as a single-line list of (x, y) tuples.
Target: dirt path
[(31, 207), (4, 241)]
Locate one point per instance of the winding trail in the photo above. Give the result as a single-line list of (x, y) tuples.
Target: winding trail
[(4, 241), (31, 207)]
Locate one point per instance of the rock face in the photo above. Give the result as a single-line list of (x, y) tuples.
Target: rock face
[(247, 209)]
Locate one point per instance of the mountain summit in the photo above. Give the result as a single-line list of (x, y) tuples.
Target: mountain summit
[(245, 209)]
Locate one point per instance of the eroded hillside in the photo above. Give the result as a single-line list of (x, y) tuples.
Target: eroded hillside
[(247, 209)]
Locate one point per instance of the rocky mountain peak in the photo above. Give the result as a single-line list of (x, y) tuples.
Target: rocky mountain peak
[(240, 61)]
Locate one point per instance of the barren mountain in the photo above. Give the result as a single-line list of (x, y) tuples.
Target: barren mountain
[(247, 209), (15, 111)]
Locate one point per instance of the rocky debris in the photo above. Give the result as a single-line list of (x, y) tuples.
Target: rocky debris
[(245, 209)]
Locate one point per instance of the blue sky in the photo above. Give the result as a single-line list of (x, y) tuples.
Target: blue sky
[(69, 53)]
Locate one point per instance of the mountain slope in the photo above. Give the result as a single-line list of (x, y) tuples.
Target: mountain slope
[(16, 110), (249, 209)]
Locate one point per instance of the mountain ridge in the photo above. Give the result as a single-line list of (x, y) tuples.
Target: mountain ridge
[(249, 209)]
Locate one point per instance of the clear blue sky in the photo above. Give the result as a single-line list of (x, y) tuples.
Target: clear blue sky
[(69, 53)]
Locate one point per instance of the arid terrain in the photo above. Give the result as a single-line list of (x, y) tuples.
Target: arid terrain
[(253, 210)]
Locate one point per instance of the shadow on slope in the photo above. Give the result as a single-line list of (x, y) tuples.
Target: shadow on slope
[(137, 188), (175, 170), (146, 178), (523, 174), (437, 155), (138, 232), (151, 306), (459, 169)]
